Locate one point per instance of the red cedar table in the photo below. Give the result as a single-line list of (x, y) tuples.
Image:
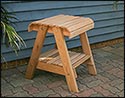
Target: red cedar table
[(59, 60)]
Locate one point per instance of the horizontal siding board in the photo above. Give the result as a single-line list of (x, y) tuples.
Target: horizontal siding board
[(105, 30), (50, 40), (40, 14), (96, 39), (27, 52), (9, 2), (108, 23), (29, 44), (23, 54), (105, 15), (36, 15), (106, 37), (29, 6), (29, 35), (24, 25)]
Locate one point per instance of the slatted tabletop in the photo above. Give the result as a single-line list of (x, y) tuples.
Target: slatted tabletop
[(71, 25)]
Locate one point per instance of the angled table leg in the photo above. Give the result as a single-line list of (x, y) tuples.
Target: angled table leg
[(36, 52), (63, 52), (87, 50)]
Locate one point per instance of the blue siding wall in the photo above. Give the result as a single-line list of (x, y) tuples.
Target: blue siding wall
[(109, 24)]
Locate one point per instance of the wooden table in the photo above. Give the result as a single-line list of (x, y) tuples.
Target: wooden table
[(59, 60)]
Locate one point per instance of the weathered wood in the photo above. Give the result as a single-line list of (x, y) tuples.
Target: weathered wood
[(87, 50), (36, 52), (70, 77)]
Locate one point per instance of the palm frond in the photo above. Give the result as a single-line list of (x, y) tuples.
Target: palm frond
[(9, 35)]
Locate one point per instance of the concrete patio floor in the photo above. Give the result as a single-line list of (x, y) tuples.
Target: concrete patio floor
[(109, 82)]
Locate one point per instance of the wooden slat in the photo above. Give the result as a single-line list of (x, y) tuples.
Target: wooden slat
[(58, 21), (35, 25), (49, 56), (47, 53), (81, 30), (50, 68), (73, 22), (84, 22), (80, 61), (59, 62), (78, 57), (47, 19), (72, 57), (52, 57), (54, 60)]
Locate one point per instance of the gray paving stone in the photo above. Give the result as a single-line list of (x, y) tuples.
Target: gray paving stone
[(30, 89), (116, 82), (44, 78), (6, 92), (3, 81), (14, 77), (40, 86), (120, 87), (121, 94), (102, 52), (62, 92), (86, 93), (73, 96), (82, 86), (109, 76), (17, 89), (22, 68), (44, 93), (114, 90), (65, 87), (108, 48), (109, 66), (10, 72), (6, 86), (54, 95), (94, 83), (88, 78), (97, 95), (118, 63), (115, 57), (21, 94), (55, 84), (20, 82), (102, 78)]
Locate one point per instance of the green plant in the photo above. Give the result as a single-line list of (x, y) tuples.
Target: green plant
[(9, 34)]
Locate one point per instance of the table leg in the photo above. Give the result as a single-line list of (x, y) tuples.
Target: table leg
[(87, 50), (63, 52), (36, 52)]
